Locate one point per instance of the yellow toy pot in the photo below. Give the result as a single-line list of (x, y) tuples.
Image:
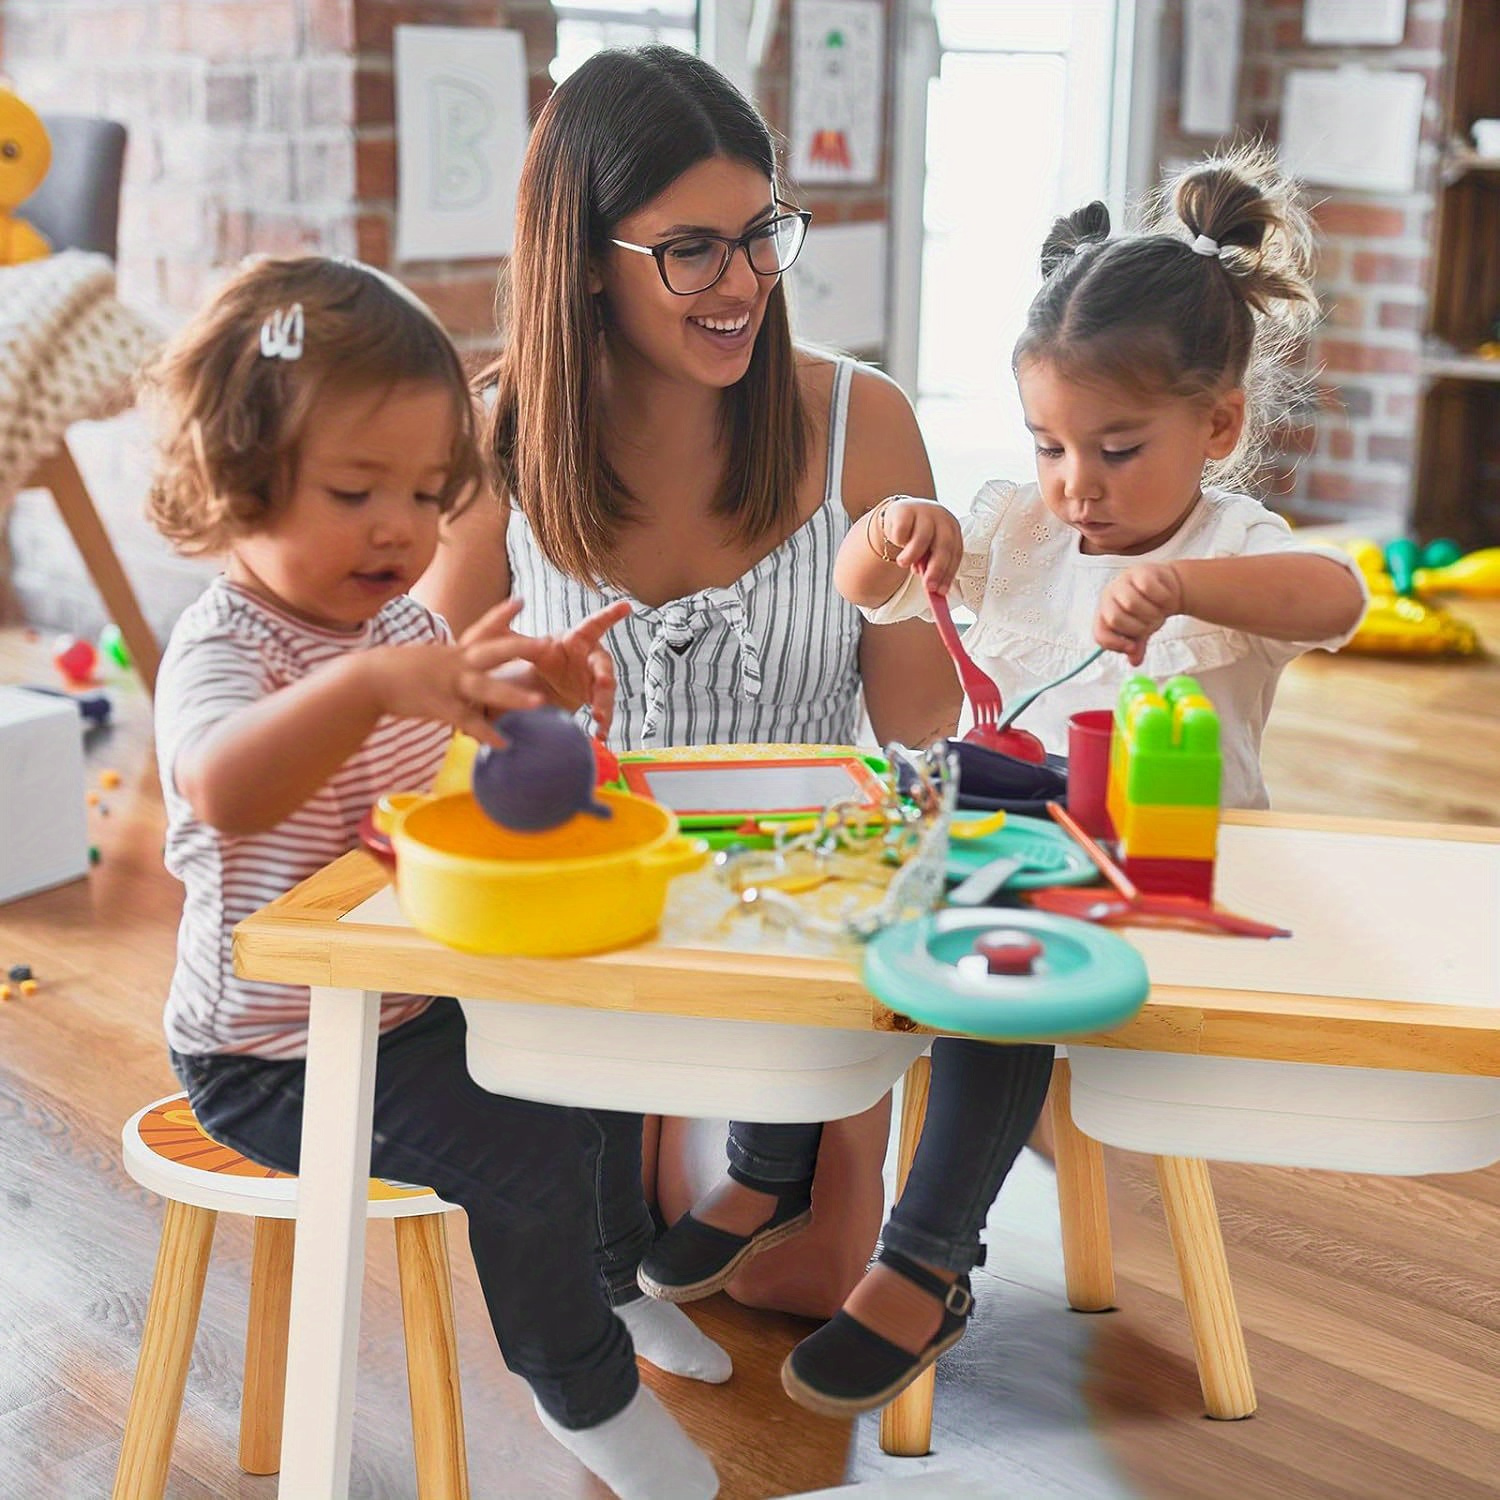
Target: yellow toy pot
[(590, 885)]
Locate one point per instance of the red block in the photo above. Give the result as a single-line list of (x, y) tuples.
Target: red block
[(1174, 877)]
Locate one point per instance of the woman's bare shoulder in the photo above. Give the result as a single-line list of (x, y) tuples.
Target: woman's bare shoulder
[(883, 449)]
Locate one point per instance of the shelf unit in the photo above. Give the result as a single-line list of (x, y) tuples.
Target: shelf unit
[(1457, 481)]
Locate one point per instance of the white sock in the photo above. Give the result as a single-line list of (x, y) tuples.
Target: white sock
[(641, 1453), (666, 1337)]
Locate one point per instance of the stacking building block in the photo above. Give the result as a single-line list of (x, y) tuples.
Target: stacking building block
[(1164, 776)]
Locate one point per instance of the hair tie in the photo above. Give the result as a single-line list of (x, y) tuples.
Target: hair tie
[(1205, 245), (282, 334)]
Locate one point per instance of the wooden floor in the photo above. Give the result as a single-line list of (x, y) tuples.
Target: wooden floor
[(1371, 1305)]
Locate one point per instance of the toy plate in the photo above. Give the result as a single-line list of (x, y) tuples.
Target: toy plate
[(1052, 858), (1087, 979)]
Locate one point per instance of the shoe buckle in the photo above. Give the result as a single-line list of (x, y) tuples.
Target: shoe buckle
[(959, 1300)]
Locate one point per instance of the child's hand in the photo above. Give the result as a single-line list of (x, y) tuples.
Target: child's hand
[(928, 537), (458, 684), (573, 669), (1135, 606)]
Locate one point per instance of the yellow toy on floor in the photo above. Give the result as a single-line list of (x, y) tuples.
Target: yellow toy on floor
[(25, 155), (1397, 623)]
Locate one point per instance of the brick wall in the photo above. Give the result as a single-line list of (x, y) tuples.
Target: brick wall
[(1372, 269), (255, 126)]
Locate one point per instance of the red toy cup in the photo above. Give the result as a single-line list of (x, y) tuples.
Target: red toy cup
[(1089, 735)]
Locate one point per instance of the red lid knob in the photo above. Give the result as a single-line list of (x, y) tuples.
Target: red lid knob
[(1008, 951)]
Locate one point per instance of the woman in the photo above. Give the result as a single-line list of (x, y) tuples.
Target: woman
[(656, 436)]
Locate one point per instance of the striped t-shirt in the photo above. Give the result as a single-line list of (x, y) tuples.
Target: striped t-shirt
[(230, 649)]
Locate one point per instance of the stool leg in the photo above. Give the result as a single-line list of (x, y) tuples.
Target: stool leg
[(1187, 1196), (187, 1236), (265, 1346), (59, 473), (1083, 1203), (906, 1424), (437, 1413)]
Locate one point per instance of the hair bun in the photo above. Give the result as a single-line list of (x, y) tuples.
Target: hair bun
[(1088, 225)]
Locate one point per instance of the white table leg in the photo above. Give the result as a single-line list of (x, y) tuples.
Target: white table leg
[(328, 1261)]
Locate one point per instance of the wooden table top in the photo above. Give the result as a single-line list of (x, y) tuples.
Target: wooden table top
[(1394, 962)]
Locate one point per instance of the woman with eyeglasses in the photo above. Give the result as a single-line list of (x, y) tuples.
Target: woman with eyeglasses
[(657, 436)]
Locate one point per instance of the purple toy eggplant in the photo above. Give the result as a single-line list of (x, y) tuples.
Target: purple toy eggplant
[(543, 776)]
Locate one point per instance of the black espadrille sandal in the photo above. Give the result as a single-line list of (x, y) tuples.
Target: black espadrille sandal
[(845, 1368), (693, 1259)]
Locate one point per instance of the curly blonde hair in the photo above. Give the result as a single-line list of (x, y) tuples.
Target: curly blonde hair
[(230, 418)]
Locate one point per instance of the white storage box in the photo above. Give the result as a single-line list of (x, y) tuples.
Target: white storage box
[(44, 837)]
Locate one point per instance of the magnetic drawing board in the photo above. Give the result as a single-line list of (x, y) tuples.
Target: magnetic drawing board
[(721, 791)]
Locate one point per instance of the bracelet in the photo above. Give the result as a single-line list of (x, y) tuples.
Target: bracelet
[(883, 551)]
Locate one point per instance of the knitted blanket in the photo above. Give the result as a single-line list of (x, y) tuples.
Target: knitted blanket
[(68, 350)]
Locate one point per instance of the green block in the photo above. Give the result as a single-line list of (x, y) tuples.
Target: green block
[(1163, 771), (1173, 781)]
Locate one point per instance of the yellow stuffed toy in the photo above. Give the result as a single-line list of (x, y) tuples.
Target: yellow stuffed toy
[(25, 155)]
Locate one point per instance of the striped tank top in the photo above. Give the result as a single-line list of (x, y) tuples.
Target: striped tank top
[(774, 657)]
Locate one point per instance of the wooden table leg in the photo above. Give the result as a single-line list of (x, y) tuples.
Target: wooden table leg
[(1083, 1203), (906, 1424), (333, 1186), (60, 475), (1187, 1197)]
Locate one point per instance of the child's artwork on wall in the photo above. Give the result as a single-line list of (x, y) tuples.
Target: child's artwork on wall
[(1353, 128), (1211, 65), (838, 287), (1332, 23), (460, 136), (838, 90)]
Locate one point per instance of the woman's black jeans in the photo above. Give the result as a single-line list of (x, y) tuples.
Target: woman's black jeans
[(524, 1173), (983, 1103)]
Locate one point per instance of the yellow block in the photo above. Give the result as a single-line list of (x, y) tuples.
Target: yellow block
[(1157, 831)]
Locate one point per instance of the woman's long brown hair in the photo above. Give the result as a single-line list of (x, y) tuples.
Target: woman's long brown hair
[(613, 136)]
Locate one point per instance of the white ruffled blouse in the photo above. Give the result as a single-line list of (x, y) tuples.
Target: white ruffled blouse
[(1035, 596)]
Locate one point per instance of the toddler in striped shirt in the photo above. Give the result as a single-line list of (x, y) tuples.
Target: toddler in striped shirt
[(315, 425)]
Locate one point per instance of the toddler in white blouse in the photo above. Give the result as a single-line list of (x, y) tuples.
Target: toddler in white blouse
[(1150, 365)]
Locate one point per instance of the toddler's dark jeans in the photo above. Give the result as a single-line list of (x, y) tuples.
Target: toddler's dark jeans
[(526, 1175), (982, 1105)]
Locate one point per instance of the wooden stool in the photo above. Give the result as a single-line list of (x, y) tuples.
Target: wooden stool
[(167, 1151)]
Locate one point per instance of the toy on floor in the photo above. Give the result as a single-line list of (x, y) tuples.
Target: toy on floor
[(113, 649), (542, 777), (25, 156), (1400, 623), (75, 661), (20, 980)]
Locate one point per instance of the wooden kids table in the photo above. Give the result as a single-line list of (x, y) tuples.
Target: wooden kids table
[(1394, 964)]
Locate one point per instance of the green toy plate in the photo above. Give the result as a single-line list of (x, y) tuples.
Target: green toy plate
[(1051, 857), (1086, 980)]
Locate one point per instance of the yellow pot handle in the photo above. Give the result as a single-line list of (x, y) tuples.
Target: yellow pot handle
[(390, 807), (677, 856)]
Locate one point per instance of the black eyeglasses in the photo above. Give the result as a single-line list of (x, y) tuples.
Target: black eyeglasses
[(692, 263)]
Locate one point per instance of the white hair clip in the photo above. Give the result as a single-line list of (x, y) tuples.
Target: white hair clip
[(282, 335), (1205, 245)]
